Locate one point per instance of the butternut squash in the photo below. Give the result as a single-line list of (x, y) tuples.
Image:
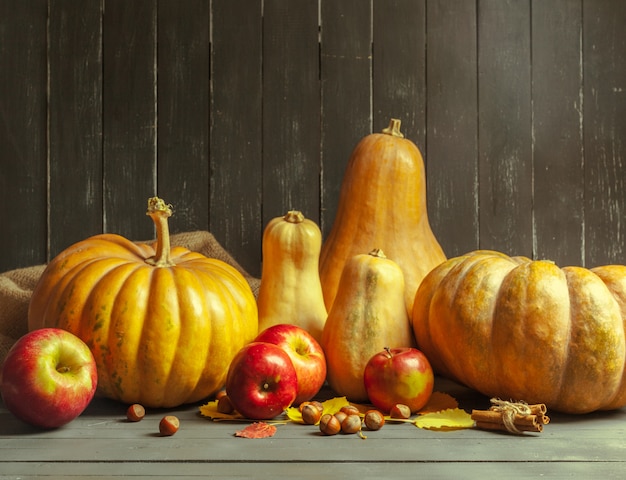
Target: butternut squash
[(368, 314), (382, 203), (290, 290)]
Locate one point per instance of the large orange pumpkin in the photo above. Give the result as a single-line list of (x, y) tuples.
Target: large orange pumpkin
[(382, 204), (163, 323), (527, 330)]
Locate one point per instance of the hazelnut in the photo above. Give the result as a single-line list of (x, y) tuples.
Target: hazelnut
[(168, 425), (351, 424), (400, 410), (350, 409), (329, 425), (374, 420), (315, 403), (220, 393), (311, 414), (135, 412), (224, 405), (341, 416)]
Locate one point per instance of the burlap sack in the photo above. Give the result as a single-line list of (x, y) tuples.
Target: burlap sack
[(16, 286)]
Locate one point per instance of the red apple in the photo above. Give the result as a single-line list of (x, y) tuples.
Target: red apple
[(48, 377), (261, 381), (306, 354), (399, 375)]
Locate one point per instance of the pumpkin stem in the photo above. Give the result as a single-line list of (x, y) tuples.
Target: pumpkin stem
[(394, 128), (294, 216), (159, 211)]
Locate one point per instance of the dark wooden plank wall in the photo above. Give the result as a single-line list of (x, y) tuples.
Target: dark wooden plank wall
[(238, 110)]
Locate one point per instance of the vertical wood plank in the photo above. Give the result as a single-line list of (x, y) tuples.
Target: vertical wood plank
[(129, 115), (291, 108), (183, 111), (504, 126), (557, 134), (236, 130), (399, 68), (75, 117), (604, 52), (452, 125), (23, 133), (346, 83)]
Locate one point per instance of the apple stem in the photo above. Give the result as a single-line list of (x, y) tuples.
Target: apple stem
[(388, 350)]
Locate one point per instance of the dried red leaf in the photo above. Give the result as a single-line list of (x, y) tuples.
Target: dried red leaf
[(257, 430)]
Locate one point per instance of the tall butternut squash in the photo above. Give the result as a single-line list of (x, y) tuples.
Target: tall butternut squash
[(382, 204)]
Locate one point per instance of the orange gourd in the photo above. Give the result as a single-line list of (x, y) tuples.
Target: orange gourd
[(519, 329), (163, 323), (369, 314), (382, 204), (290, 290)]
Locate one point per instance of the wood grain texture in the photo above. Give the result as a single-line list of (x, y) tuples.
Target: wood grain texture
[(129, 115), (557, 132), (23, 133), (452, 125), (604, 53), (102, 443), (236, 111), (346, 84), (291, 109), (75, 122), (399, 67), (183, 111), (236, 142), (505, 187)]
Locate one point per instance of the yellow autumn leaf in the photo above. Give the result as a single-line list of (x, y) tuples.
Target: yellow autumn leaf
[(450, 419), (210, 410), (331, 406), (293, 414), (439, 401)]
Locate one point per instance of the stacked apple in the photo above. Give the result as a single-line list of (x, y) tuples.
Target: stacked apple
[(284, 365)]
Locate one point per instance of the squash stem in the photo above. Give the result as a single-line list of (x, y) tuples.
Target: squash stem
[(394, 128), (378, 253), (159, 211), (294, 216)]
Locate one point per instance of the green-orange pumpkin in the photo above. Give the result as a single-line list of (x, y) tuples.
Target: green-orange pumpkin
[(163, 323), (527, 330)]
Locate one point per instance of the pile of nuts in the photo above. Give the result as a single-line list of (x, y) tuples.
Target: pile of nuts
[(347, 420)]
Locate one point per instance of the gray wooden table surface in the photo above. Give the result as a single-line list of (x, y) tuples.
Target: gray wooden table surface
[(101, 443)]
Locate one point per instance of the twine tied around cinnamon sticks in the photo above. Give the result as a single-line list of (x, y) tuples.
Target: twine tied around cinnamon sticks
[(512, 417)]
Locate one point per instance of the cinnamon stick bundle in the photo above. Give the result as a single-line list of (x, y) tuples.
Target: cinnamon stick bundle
[(513, 417)]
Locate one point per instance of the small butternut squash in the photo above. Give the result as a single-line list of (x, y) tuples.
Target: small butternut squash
[(290, 290), (382, 203), (368, 314)]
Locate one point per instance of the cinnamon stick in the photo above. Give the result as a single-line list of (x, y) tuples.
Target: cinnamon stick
[(538, 409), (511, 417), (502, 428), (491, 416)]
